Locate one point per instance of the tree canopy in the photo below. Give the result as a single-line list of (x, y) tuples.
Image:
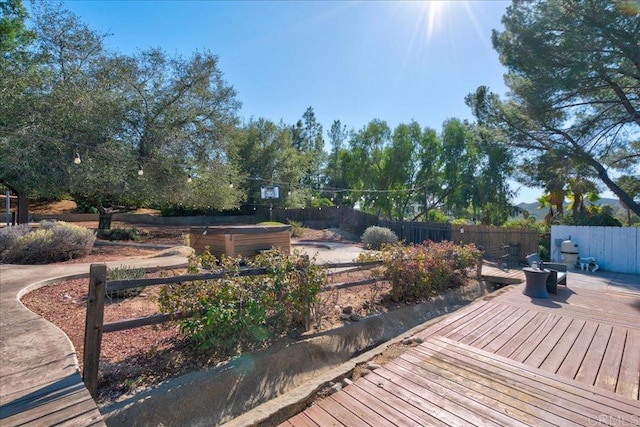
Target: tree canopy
[(138, 125), (574, 79)]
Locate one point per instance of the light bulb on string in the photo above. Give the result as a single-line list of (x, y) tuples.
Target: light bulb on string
[(140, 171), (76, 158), (189, 179)]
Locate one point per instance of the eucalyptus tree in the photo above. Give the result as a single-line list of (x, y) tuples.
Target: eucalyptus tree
[(363, 164), (337, 136), (307, 138), (574, 80)]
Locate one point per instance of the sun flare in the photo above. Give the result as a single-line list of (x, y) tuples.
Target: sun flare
[(435, 12)]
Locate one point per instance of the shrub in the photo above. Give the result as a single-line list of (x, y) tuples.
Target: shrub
[(121, 234), (419, 272), (10, 235), (297, 229), (125, 273), (52, 242), (238, 312), (374, 237)]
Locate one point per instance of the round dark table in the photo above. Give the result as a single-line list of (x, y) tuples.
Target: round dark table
[(536, 284)]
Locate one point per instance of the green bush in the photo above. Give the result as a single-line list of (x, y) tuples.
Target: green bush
[(10, 235), (374, 237), (419, 272), (297, 229), (236, 312), (121, 234), (52, 242), (125, 273)]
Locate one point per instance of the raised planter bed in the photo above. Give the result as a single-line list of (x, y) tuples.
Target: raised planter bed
[(244, 240)]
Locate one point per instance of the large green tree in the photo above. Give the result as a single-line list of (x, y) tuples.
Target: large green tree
[(574, 79), (17, 72), (140, 125), (266, 156)]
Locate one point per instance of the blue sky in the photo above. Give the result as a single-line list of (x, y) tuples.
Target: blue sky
[(351, 61)]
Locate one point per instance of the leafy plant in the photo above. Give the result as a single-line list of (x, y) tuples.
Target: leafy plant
[(121, 234), (238, 312), (374, 237), (125, 273), (419, 272), (10, 235), (51, 242), (297, 229)]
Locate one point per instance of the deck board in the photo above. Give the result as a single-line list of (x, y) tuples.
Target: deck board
[(506, 396), (322, 417), (510, 359), (575, 356), (504, 333), (64, 402), (341, 413), (610, 367), (588, 370), (367, 415), (502, 276), (465, 390), (385, 405), (558, 390), (629, 378)]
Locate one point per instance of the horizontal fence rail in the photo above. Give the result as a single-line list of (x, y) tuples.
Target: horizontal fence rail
[(99, 285)]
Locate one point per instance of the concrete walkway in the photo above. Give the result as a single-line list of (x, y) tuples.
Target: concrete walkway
[(39, 377)]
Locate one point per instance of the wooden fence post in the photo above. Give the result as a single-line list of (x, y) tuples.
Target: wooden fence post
[(93, 326)]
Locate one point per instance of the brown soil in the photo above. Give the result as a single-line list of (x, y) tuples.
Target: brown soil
[(134, 359)]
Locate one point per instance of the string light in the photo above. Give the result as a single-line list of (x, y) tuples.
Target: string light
[(140, 171), (189, 179), (76, 158)]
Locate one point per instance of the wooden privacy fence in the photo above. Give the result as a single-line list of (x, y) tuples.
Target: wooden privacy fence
[(520, 242), (497, 242), (99, 286)]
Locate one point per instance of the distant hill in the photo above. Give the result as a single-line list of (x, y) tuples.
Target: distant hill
[(540, 213)]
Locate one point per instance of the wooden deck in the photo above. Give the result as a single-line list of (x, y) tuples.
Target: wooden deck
[(572, 359), (493, 274)]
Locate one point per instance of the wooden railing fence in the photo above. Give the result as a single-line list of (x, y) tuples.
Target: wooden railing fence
[(99, 286)]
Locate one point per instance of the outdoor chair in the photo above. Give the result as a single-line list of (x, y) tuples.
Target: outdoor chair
[(557, 275)]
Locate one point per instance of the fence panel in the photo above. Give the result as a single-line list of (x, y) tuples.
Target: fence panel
[(615, 249), (418, 232), (521, 242)]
